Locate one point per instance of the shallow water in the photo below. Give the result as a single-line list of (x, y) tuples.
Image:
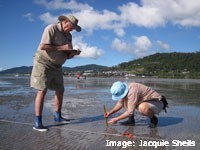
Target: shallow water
[(83, 102)]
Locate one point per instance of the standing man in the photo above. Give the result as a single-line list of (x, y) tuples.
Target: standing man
[(55, 48), (136, 96)]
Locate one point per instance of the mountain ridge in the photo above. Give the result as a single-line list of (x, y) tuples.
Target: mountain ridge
[(28, 69)]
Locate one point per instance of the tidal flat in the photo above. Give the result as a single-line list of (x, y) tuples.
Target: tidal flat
[(83, 104)]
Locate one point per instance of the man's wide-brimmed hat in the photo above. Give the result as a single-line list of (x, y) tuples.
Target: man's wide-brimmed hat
[(72, 19), (119, 90)]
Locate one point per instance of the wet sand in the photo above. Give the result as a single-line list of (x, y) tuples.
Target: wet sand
[(83, 103)]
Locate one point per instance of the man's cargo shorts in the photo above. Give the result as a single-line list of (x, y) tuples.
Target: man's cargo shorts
[(46, 75)]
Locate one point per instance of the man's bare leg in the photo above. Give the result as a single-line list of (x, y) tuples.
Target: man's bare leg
[(39, 103)]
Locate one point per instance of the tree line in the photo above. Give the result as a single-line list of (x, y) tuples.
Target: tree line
[(180, 65)]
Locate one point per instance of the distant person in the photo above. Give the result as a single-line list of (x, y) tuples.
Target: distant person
[(55, 48), (136, 96), (78, 75)]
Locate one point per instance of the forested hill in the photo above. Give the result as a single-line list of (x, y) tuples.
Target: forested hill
[(185, 65)]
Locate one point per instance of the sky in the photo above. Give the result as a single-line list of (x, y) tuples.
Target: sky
[(113, 31)]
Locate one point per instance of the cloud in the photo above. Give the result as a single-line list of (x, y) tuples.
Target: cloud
[(61, 4), (139, 47), (97, 20), (155, 13), (29, 16), (94, 20), (132, 13), (120, 32), (162, 45), (148, 14), (142, 46), (182, 12), (142, 43), (87, 51), (47, 18), (120, 45)]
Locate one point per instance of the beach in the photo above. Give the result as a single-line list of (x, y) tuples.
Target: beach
[(83, 104)]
